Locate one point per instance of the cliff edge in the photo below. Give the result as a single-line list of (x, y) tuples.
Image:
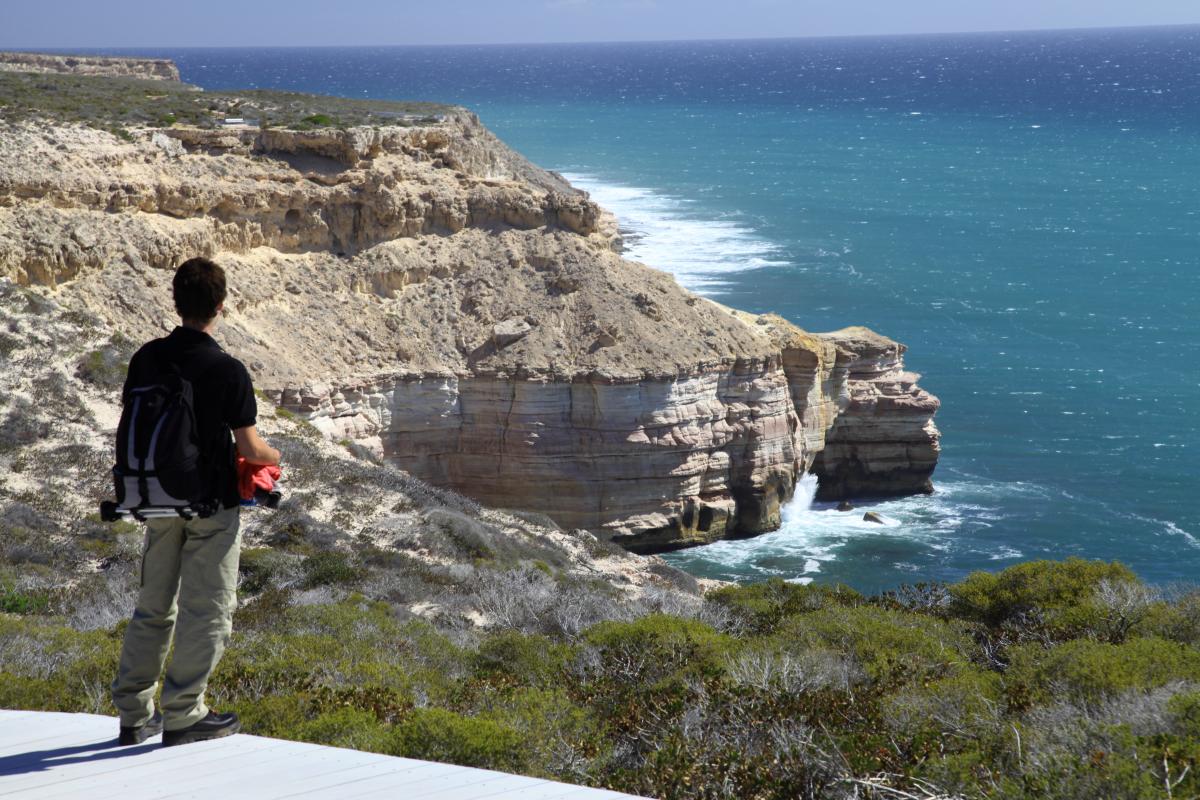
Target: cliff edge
[(413, 286), (154, 68)]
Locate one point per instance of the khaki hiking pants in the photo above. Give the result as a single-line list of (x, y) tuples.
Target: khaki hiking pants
[(189, 583)]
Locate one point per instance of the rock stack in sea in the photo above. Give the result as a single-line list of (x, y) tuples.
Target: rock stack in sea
[(426, 293)]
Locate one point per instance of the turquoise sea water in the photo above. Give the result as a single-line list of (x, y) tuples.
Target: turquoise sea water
[(1023, 210)]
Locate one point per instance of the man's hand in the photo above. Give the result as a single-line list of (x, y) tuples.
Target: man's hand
[(254, 448)]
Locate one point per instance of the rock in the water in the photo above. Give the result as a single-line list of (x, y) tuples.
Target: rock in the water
[(845, 505), (871, 516)]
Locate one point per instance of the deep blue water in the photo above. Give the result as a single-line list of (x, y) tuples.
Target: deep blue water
[(1023, 210)]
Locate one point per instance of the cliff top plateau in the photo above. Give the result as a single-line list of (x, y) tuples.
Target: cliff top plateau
[(161, 69)]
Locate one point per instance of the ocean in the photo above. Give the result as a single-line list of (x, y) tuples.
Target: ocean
[(1021, 209)]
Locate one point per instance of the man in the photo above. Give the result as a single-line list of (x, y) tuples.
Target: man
[(189, 567)]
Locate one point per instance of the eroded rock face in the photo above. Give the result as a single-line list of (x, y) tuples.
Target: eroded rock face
[(158, 68), (433, 297), (657, 463), (884, 441)]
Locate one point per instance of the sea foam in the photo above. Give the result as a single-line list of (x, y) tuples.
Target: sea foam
[(668, 233)]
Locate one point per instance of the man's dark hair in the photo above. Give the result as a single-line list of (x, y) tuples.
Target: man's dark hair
[(199, 287)]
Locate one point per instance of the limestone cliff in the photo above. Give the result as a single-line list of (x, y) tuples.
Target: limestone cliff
[(884, 441), (156, 68), (426, 293)]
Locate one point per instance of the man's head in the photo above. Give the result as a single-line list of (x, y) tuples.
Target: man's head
[(199, 289)]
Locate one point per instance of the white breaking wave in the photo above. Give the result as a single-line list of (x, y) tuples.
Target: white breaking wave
[(662, 232), (813, 534)]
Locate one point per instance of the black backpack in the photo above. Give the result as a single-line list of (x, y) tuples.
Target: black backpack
[(159, 470)]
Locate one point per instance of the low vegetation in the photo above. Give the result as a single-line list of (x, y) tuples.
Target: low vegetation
[(116, 104), (771, 690)]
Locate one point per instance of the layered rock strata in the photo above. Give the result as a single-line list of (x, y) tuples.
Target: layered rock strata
[(884, 441), (123, 67), (438, 301)]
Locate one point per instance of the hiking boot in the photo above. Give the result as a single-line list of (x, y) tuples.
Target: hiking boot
[(136, 734), (214, 726)]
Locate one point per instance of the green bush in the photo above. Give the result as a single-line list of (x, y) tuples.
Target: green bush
[(1063, 589), (966, 703), (514, 657), (344, 727), (262, 568), (13, 601), (658, 646), (1186, 709), (106, 366), (764, 605), (435, 734), (892, 646), (1089, 671), (329, 568)]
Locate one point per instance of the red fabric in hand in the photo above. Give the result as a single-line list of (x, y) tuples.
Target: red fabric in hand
[(255, 476)]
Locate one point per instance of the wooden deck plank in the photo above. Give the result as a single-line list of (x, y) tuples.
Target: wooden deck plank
[(357, 786), (41, 735), (492, 789), (466, 783), (299, 765), (55, 756), (61, 774), (344, 785), (553, 790), (160, 765), (443, 780)]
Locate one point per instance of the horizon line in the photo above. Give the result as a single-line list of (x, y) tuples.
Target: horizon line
[(810, 37)]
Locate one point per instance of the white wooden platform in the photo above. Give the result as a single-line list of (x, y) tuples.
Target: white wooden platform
[(50, 756)]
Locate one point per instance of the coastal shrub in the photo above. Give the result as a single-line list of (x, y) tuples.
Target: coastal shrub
[(1061, 593), (459, 535), (525, 659), (19, 545), (529, 599), (956, 709), (648, 650), (561, 735), (22, 425), (8, 345), (109, 541), (52, 667), (764, 605), (1178, 619), (16, 601), (775, 669), (1185, 711), (258, 569), (344, 727), (275, 714), (102, 599), (1086, 671), (106, 366), (891, 646), (435, 734), (329, 568)]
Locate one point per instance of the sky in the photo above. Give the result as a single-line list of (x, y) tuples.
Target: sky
[(32, 24)]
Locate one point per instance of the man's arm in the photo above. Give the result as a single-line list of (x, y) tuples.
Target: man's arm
[(253, 447)]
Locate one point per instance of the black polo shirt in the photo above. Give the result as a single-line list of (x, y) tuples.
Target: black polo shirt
[(222, 395)]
